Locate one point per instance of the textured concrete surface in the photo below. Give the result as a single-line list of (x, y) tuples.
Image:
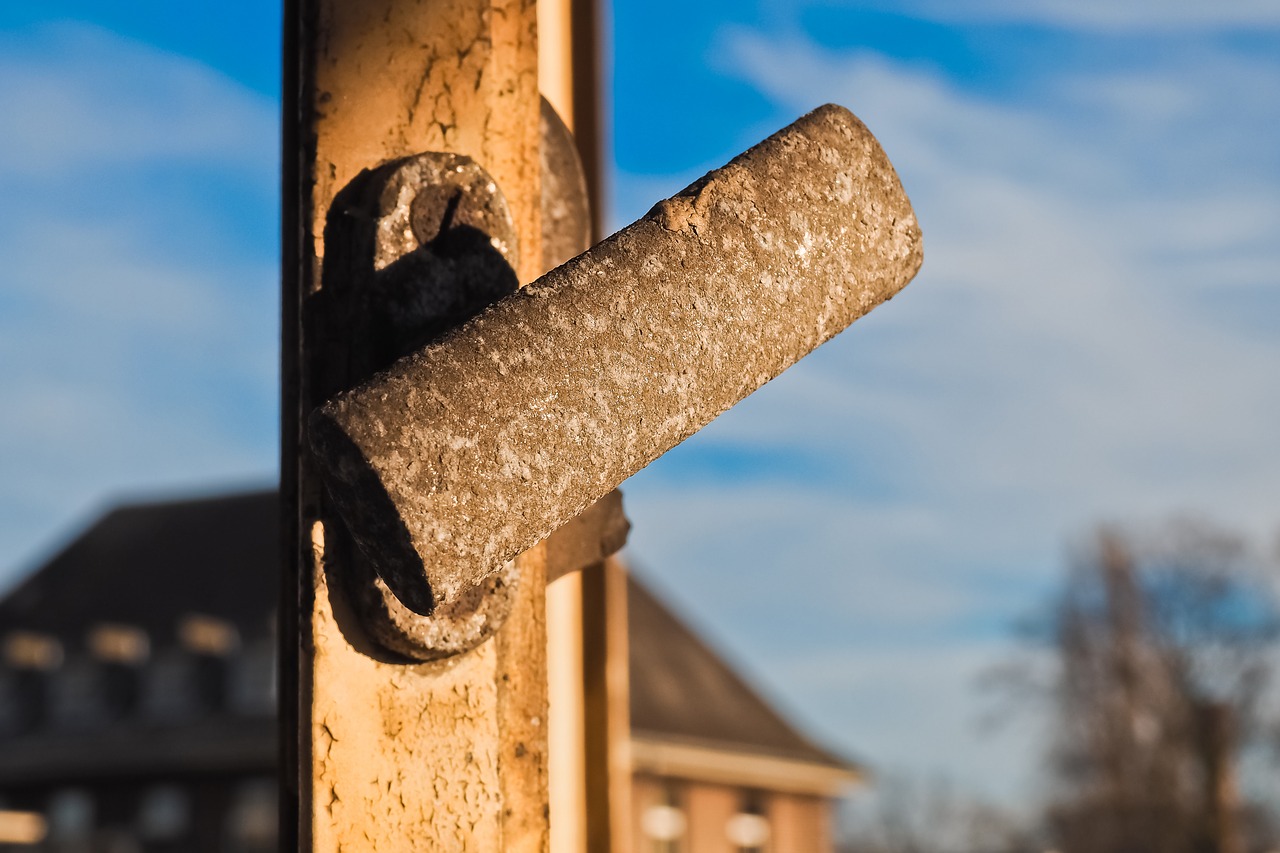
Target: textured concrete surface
[(471, 450)]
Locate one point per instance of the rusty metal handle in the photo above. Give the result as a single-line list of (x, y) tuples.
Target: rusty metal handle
[(481, 444)]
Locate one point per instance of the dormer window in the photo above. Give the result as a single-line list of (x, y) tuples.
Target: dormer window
[(32, 650), (180, 685), (23, 700), (119, 644), (253, 679), (88, 692), (207, 635)]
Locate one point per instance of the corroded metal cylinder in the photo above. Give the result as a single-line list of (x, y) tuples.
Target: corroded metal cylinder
[(481, 444)]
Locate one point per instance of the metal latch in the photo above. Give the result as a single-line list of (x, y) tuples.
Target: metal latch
[(488, 438)]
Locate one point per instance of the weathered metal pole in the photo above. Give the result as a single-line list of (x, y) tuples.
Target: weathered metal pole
[(380, 753)]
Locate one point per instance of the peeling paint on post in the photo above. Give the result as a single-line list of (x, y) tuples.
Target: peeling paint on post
[(381, 755)]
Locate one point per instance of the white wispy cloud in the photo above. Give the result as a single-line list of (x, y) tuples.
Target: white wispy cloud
[(137, 334), (76, 95), (1084, 343), (1098, 15)]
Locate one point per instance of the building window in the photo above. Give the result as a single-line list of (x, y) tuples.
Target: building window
[(208, 635), (71, 817), (21, 828), (664, 823), (88, 693), (29, 660), (75, 694), (22, 700), (122, 644), (164, 814), (31, 650), (748, 830), (253, 679), (252, 823), (180, 685)]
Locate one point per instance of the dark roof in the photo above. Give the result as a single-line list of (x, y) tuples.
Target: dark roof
[(148, 564), (682, 689)]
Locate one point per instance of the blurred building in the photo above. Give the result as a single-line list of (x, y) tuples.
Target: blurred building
[(137, 704)]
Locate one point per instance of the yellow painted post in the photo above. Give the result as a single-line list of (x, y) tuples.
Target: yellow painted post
[(570, 71), (566, 761), (607, 728), (590, 772), (380, 754)]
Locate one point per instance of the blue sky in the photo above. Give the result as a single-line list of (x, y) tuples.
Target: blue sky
[(1094, 336)]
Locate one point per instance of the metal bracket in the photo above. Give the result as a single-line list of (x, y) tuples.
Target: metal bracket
[(419, 246), (476, 447)]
